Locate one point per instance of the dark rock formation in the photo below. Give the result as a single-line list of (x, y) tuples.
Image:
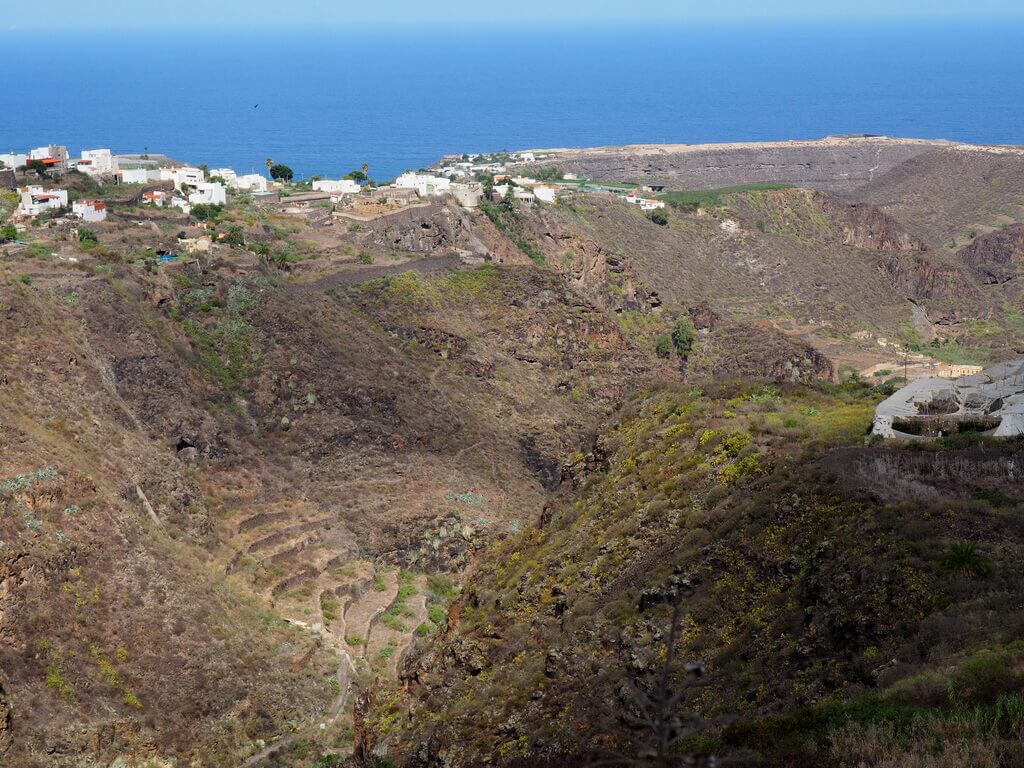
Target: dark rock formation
[(867, 227), (997, 257), (919, 278)]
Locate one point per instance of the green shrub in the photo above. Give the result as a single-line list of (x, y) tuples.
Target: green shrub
[(86, 235), (683, 336), (659, 217), (365, 257), (663, 346), (964, 557), (8, 233)]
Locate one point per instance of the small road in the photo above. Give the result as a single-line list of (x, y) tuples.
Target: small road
[(344, 678)]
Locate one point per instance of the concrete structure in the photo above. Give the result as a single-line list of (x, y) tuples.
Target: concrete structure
[(339, 187), (180, 202), (545, 193), (253, 182), (523, 195), (90, 210), (157, 197), (53, 155), (196, 244), (424, 184), (36, 200), (228, 174), (399, 196), (97, 162), (137, 176), (13, 160), (183, 176), (645, 204), (208, 193), (468, 195), (990, 402)]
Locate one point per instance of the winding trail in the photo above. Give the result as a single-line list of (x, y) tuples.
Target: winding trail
[(344, 677)]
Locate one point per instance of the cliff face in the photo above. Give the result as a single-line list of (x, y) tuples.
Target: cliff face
[(832, 165), (997, 257), (918, 278), (867, 227)]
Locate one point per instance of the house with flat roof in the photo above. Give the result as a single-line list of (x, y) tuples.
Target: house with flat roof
[(208, 193), (96, 162), (54, 156), (36, 200), (89, 210), (339, 187)]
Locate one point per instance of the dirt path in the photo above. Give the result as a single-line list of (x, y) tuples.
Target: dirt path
[(344, 677)]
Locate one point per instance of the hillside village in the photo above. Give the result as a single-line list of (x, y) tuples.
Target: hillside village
[(466, 178)]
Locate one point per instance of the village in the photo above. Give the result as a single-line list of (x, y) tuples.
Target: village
[(161, 182)]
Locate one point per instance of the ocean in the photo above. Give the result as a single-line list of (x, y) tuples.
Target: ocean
[(325, 101)]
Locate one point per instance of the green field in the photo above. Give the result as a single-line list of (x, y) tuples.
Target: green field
[(707, 198)]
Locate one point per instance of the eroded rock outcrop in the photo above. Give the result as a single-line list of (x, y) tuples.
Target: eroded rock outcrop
[(997, 257), (918, 278)]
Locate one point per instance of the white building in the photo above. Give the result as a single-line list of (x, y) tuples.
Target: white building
[(424, 184), (97, 162), (183, 176), (339, 187), (53, 155), (157, 197), (545, 193), (180, 202), (646, 204), (228, 174), (208, 193), (90, 210), (13, 160), (137, 175), (251, 181), (36, 200), (467, 195), (523, 195)]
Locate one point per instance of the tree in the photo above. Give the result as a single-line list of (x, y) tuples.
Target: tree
[(86, 235), (358, 175), (658, 216), (281, 172), (269, 163), (38, 166), (8, 233), (683, 336)]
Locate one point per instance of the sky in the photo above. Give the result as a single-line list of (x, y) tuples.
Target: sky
[(446, 13)]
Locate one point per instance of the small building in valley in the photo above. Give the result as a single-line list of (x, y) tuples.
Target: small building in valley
[(337, 187), (90, 210)]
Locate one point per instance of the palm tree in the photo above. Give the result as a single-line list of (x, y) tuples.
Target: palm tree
[(365, 168), (270, 163)]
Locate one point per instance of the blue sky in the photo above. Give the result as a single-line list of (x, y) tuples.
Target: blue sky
[(114, 13)]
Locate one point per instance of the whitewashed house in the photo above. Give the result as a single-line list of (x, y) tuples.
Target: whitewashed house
[(252, 182), (90, 210), (180, 202), (136, 176), (545, 193), (53, 155), (13, 160), (424, 184), (523, 195), (97, 162), (36, 200), (228, 174), (183, 177), (339, 187), (157, 197), (645, 204), (208, 193)]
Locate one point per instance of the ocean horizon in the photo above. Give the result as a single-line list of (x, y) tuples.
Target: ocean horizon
[(325, 101)]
